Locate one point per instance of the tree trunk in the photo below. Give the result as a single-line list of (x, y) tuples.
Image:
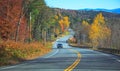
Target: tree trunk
[(30, 37), (44, 37), (18, 28)]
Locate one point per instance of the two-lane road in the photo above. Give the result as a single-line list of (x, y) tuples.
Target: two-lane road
[(69, 58)]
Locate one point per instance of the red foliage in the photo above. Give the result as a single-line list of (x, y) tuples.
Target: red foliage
[(23, 34), (10, 11)]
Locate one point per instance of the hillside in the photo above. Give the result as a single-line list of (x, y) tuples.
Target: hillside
[(76, 16), (112, 21)]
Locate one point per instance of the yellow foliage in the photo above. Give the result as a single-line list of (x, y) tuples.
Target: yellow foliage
[(85, 26), (99, 19), (61, 22), (94, 32), (64, 23), (57, 31), (84, 23), (56, 17), (98, 30)]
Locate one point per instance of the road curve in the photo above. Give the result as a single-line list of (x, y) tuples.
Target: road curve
[(69, 59)]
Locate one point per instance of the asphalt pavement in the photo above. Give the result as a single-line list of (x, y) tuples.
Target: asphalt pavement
[(69, 59)]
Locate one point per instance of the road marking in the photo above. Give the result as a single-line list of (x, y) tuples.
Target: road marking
[(118, 60), (23, 64), (71, 67), (4, 68), (7, 67), (53, 54)]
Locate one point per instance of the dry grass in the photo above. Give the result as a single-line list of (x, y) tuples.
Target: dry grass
[(13, 52)]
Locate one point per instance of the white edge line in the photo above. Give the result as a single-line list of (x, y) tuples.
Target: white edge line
[(52, 54), (11, 66), (7, 67), (118, 60), (21, 64)]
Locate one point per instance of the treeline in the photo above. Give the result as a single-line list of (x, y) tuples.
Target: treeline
[(106, 35), (29, 20), (18, 19)]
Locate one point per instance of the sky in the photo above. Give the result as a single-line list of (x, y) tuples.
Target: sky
[(82, 4)]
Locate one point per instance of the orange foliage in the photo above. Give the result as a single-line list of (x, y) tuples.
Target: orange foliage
[(10, 11), (18, 50), (61, 22), (64, 23)]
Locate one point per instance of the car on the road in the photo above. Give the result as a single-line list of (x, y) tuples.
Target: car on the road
[(59, 45)]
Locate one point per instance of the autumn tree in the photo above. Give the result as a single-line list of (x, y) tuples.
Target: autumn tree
[(64, 23), (94, 34), (98, 30), (10, 11), (81, 33), (61, 22), (56, 25), (85, 31), (85, 26)]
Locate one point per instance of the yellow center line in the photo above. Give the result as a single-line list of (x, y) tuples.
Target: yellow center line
[(71, 67)]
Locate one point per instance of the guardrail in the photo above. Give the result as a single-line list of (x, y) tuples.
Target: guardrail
[(107, 50), (80, 46), (110, 50)]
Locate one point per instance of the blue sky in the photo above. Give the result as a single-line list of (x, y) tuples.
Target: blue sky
[(81, 4)]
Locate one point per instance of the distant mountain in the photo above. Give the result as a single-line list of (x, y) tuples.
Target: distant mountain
[(106, 10)]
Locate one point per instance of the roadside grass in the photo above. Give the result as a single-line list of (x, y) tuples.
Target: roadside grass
[(14, 52)]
